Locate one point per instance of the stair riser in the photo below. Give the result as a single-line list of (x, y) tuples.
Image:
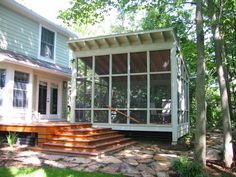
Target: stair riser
[(85, 143), (69, 148), (77, 149), (111, 145)]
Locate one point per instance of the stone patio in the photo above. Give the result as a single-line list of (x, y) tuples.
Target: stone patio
[(144, 159), (141, 159)]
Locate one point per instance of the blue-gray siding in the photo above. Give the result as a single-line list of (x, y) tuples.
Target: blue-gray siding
[(18, 33), (62, 51), (21, 35)]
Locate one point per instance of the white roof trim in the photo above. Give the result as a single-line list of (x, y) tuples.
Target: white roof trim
[(6, 59), (15, 6), (123, 39)]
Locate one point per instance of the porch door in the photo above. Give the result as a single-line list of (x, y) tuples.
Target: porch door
[(48, 100)]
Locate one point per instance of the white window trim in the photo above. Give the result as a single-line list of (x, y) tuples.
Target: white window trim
[(53, 60)]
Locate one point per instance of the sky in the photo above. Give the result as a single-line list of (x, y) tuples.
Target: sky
[(46, 8), (50, 10)]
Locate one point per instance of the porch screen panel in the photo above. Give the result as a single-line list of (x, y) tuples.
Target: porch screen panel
[(100, 116), (83, 96), (119, 63), (140, 115), (101, 92), (138, 91), (102, 65), (84, 67), (160, 60), (21, 81), (160, 98), (138, 62), (82, 116), (119, 92), (118, 118)]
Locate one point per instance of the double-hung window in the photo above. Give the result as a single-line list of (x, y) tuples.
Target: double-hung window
[(2, 84), (2, 78), (21, 81), (47, 43)]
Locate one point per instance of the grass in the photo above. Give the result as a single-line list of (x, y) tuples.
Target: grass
[(49, 172)]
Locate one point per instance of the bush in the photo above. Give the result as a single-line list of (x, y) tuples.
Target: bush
[(186, 168), (11, 138)]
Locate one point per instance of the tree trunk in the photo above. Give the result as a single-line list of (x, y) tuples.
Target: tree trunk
[(228, 146), (200, 134)]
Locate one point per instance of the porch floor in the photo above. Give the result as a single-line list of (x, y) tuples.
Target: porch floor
[(71, 138)]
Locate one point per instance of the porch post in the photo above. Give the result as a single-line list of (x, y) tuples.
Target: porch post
[(73, 88), (174, 95)]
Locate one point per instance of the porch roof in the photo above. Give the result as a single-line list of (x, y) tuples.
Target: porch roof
[(34, 63), (123, 39)]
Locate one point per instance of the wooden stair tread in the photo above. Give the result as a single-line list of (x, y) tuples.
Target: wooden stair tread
[(87, 141), (99, 152), (87, 147), (86, 129), (86, 135)]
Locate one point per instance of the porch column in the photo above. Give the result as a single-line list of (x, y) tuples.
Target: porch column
[(174, 95), (73, 89)]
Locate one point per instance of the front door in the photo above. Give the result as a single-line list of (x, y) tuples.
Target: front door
[(48, 99)]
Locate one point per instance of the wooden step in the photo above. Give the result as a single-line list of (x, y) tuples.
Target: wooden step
[(85, 148), (81, 153), (86, 136), (78, 131), (76, 141), (77, 126)]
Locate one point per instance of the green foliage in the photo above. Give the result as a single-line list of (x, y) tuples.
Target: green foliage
[(49, 172), (84, 12), (163, 14), (11, 138), (186, 168), (226, 175)]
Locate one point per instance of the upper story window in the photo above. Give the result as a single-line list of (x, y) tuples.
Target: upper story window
[(2, 78), (47, 43), (21, 81)]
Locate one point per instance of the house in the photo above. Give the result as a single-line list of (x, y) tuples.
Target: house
[(133, 81), (34, 66)]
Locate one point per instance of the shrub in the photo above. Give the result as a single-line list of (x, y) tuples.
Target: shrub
[(186, 168), (11, 138)]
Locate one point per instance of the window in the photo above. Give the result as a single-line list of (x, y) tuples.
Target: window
[(2, 78), (47, 43), (2, 84), (21, 81)]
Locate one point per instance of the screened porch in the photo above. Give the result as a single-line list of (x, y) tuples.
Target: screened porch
[(134, 81)]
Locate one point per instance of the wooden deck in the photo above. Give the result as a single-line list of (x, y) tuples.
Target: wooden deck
[(76, 138)]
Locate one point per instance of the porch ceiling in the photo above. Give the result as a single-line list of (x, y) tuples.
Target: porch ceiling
[(122, 40)]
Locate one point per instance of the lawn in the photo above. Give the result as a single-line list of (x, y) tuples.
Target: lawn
[(49, 172)]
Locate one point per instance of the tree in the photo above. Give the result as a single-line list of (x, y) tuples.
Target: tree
[(200, 134), (218, 44)]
